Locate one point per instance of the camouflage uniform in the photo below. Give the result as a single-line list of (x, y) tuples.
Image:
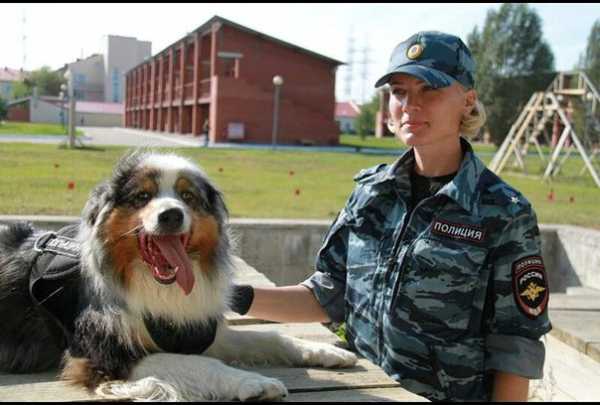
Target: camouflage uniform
[(441, 295)]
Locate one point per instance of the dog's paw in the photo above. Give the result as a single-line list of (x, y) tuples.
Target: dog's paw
[(146, 389), (259, 388), (325, 355)]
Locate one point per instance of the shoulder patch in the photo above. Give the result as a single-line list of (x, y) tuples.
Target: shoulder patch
[(530, 288), (365, 173)]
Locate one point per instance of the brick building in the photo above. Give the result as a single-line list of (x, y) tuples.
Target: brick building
[(222, 74)]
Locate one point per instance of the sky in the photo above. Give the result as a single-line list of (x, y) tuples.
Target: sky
[(56, 34)]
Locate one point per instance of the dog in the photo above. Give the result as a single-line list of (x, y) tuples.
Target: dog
[(130, 301)]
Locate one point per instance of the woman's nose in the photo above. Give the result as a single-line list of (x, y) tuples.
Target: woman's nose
[(412, 101)]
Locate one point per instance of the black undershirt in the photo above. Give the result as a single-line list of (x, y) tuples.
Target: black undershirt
[(423, 187)]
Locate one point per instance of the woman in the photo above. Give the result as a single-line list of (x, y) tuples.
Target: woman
[(434, 263)]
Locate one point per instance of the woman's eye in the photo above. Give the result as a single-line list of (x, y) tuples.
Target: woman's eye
[(398, 92)]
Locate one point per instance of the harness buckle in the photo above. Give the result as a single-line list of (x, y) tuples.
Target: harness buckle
[(40, 243)]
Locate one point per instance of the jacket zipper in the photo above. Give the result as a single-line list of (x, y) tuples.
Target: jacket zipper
[(395, 253)]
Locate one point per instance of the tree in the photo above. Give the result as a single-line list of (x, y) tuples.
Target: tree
[(47, 82), (585, 123), (20, 90), (365, 122), (513, 61), (590, 60), (3, 110)]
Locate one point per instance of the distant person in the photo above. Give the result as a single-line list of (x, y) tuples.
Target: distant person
[(434, 263), (205, 131)]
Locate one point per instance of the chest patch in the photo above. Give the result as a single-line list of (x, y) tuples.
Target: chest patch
[(529, 285), (469, 233), (58, 244)]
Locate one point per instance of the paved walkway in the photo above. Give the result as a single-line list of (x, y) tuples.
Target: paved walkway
[(102, 136)]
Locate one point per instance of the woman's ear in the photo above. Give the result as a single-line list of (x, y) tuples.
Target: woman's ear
[(470, 100)]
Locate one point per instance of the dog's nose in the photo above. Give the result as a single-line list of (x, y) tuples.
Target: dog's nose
[(170, 220)]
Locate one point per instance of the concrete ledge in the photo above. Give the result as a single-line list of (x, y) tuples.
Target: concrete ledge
[(284, 251)]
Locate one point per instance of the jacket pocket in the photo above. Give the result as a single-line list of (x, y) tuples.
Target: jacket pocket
[(459, 368), (438, 283)]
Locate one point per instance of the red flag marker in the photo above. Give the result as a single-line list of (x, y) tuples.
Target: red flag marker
[(71, 185)]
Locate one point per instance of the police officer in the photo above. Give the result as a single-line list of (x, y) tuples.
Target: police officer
[(434, 263)]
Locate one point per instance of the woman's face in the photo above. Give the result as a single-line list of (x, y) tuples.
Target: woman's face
[(426, 116)]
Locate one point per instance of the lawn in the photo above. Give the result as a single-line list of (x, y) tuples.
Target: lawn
[(257, 183), (32, 128), (393, 143)]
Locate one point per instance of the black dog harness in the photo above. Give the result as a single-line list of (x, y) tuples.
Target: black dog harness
[(55, 286)]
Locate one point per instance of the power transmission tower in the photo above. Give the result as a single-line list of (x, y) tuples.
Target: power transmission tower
[(23, 40), (364, 72), (349, 66)]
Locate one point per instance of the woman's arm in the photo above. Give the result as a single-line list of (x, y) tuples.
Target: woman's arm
[(510, 387), (287, 304)]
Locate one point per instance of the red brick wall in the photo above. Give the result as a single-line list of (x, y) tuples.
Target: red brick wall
[(19, 112), (307, 103), (255, 110)]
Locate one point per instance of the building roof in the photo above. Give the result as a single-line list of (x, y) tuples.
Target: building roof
[(208, 24), (347, 109), (11, 75)]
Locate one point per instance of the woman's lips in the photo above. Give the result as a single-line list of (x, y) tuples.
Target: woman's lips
[(413, 124)]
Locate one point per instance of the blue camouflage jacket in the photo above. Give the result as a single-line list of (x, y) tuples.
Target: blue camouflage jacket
[(442, 295)]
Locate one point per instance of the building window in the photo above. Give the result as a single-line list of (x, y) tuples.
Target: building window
[(116, 85)]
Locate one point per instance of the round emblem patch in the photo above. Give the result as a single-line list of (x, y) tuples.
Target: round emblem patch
[(414, 51), (529, 285)]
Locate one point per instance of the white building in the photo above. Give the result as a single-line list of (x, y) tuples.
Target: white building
[(121, 54), (53, 110), (101, 77)]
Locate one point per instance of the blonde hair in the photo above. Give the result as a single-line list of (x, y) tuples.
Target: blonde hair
[(469, 126)]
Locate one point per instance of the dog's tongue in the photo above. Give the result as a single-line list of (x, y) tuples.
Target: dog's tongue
[(172, 249)]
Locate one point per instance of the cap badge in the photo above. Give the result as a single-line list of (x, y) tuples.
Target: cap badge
[(414, 51)]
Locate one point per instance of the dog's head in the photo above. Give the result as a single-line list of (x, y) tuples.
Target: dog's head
[(160, 209)]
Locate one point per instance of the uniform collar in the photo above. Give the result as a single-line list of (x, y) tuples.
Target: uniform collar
[(462, 188)]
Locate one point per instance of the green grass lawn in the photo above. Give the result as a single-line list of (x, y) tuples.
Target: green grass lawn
[(393, 143), (256, 183), (32, 128)]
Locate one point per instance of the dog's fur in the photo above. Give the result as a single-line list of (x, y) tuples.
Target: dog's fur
[(111, 350)]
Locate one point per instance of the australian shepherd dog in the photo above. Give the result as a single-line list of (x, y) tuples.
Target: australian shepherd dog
[(130, 301)]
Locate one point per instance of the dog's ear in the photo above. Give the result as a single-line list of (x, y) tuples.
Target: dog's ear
[(99, 197), (216, 201)]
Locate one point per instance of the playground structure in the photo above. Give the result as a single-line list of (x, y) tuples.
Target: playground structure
[(551, 111)]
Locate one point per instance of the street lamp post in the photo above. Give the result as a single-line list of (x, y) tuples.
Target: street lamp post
[(69, 77), (62, 96), (277, 82)]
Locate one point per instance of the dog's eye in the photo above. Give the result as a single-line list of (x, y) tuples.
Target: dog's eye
[(188, 197), (142, 197)]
